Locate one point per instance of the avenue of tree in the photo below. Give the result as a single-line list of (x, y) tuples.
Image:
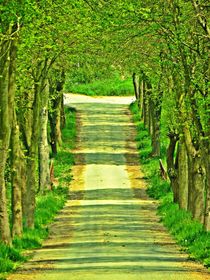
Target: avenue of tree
[(163, 45)]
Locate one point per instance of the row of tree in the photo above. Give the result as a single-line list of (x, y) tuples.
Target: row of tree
[(164, 43), (39, 41), (173, 92)]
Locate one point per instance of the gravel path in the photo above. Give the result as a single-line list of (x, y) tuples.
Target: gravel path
[(108, 229)]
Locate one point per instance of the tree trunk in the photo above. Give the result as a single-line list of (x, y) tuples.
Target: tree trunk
[(44, 171), (58, 123), (206, 158), (53, 142), (23, 169), (156, 119), (15, 143), (16, 183), (150, 109), (145, 107), (136, 86), (156, 137), (57, 119), (198, 189), (172, 166), (141, 97), (63, 119), (207, 202), (31, 183), (190, 185), (6, 107), (183, 175)]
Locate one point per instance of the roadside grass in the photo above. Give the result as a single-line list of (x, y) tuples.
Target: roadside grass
[(107, 87), (187, 232), (64, 159), (47, 205)]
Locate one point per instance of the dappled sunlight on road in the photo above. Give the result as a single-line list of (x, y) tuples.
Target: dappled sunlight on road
[(108, 229)]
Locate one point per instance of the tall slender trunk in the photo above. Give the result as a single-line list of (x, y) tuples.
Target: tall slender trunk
[(183, 175), (206, 157), (141, 97), (15, 148), (57, 119), (197, 189), (23, 170), (136, 86), (156, 119), (150, 108), (207, 201), (156, 136), (44, 171), (16, 182), (31, 184), (63, 118), (172, 167), (145, 107), (7, 91)]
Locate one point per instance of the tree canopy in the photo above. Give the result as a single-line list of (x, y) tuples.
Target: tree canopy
[(164, 45)]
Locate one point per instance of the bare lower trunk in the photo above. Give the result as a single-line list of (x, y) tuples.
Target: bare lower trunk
[(207, 202), (145, 108), (23, 168), (16, 183), (156, 118), (57, 120), (7, 90), (172, 166), (63, 119), (151, 119), (198, 190), (183, 176), (190, 185), (58, 124), (136, 86), (31, 173), (156, 139), (150, 108), (44, 171), (141, 96)]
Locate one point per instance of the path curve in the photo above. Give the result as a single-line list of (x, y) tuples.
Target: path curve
[(108, 229)]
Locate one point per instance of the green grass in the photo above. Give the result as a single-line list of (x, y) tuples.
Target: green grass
[(188, 233), (64, 158), (108, 87), (47, 205)]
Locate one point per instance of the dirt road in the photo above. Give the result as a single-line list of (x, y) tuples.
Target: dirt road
[(108, 229)]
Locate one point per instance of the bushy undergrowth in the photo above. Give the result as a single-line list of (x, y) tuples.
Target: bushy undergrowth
[(47, 205), (188, 233), (108, 87)]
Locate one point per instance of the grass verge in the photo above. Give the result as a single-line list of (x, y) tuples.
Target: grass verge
[(47, 205), (108, 87), (187, 232)]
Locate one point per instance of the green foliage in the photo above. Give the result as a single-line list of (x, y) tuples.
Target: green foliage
[(54, 201), (107, 87), (188, 232), (6, 265), (158, 188), (64, 158), (31, 239), (47, 205), (8, 256), (69, 132)]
